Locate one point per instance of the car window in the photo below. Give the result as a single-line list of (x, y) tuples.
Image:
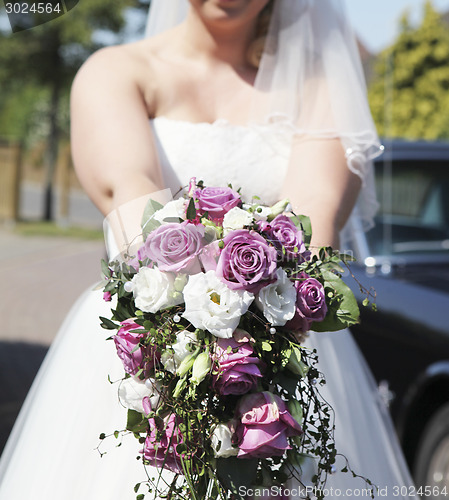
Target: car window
[(414, 207)]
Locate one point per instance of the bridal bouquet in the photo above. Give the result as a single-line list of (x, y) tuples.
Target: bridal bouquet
[(209, 319)]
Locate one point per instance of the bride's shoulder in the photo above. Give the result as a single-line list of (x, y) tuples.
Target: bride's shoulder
[(133, 68), (131, 62)]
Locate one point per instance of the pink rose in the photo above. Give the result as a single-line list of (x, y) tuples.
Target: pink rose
[(310, 303), (175, 247), (107, 297), (264, 426), (287, 238), (134, 358), (216, 201), (160, 444), (247, 261), (237, 371)]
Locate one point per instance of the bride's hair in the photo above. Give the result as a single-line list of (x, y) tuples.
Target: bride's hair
[(256, 48)]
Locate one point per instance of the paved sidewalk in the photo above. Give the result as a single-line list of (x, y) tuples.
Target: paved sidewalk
[(41, 277)]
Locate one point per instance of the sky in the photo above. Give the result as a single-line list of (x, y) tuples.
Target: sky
[(376, 21)]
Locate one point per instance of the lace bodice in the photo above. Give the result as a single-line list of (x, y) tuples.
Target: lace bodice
[(253, 159)]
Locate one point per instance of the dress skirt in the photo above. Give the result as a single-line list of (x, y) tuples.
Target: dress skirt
[(52, 451)]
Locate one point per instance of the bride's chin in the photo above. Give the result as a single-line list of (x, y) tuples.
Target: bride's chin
[(228, 9)]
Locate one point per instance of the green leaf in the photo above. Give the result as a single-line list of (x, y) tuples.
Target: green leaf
[(191, 210), (136, 422), (148, 223), (294, 364), (237, 473), (110, 287), (287, 382), (346, 258), (181, 449), (105, 269), (107, 324), (342, 312), (266, 346), (303, 222), (180, 386), (122, 311), (176, 220)]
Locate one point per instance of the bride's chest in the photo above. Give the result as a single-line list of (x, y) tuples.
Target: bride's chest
[(193, 95), (219, 153)]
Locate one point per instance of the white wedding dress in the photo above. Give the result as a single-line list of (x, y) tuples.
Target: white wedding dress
[(51, 452)]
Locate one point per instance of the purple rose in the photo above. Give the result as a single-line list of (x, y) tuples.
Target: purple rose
[(160, 444), (237, 371), (175, 247), (107, 297), (247, 261), (216, 201), (310, 303), (134, 358), (264, 426), (286, 237)]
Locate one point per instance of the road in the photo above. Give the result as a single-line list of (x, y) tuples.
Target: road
[(82, 212), (41, 279)]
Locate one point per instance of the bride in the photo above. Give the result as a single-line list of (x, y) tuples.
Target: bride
[(267, 95)]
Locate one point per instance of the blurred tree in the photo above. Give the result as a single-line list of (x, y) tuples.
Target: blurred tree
[(38, 65), (409, 96)]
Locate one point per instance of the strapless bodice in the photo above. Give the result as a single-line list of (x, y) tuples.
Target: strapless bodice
[(254, 159)]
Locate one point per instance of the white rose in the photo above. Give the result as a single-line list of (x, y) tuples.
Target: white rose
[(154, 290), (173, 209), (277, 300), (132, 390), (212, 306), (183, 347), (236, 218), (221, 442)]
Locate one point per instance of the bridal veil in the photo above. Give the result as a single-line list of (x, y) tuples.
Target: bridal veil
[(310, 81)]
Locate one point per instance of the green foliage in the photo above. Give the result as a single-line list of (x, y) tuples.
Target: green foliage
[(19, 109), (148, 223), (344, 311), (136, 422), (409, 97), (235, 473), (55, 50), (37, 67)]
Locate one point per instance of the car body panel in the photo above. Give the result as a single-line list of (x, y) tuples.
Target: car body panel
[(405, 259)]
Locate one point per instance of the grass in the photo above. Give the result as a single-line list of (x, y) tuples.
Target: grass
[(40, 228)]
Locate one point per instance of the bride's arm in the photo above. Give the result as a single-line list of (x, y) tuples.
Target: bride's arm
[(112, 143), (319, 184)]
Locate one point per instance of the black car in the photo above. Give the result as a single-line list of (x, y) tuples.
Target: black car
[(405, 258)]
